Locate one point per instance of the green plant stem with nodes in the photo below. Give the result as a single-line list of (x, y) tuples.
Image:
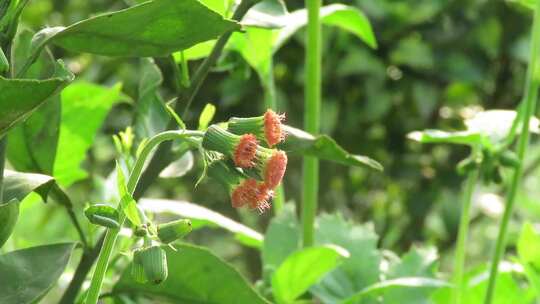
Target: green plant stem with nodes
[(162, 157), (112, 234), (463, 231), (312, 107), (528, 108)]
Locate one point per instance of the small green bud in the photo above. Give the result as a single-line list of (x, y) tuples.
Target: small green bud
[(102, 215), (149, 265), (173, 231), (141, 231), (509, 159), (466, 165)]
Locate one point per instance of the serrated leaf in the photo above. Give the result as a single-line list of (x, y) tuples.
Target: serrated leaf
[(195, 276), (151, 29), (35, 268), (323, 147), (304, 268), (201, 216)]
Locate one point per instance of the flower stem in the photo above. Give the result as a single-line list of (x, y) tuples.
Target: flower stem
[(112, 234), (312, 105), (530, 98), (459, 260)]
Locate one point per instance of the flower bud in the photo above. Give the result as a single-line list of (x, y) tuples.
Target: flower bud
[(266, 128), (243, 191), (241, 149), (173, 231), (102, 215), (509, 159), (149, 265)]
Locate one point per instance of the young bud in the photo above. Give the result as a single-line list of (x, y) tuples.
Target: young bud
[(509, 159), (102, 215), (266, 128), (149, 265), (172, 231), (241, 149)]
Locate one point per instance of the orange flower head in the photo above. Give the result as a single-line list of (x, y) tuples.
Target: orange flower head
[(244, 153), (275, 169), (273, 130)]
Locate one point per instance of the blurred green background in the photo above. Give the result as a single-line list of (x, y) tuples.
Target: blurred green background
[(437, 62)]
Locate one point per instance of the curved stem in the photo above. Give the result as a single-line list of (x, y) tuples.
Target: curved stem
[(112, 234), (312, 105), (459, 260), (531, 95)]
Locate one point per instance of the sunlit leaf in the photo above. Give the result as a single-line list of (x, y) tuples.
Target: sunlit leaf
[(153, 28), (36, 269), (201, 217), (282, 238), (323, 147), (81, 102), (304, 268), (195, 276), (266, 14)]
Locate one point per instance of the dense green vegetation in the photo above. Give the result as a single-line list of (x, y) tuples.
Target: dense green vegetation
[(411, 152)]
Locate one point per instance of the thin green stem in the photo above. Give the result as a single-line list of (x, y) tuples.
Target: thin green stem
[(312, 105), (184, 68), (530, 98), (112, 234), (459, 260)]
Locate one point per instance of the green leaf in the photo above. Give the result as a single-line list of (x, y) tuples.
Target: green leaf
[(282, 238), (151, 116), (346, 17), (127, 203), (195, 276), (153, 28), (28, 274), (437, 136), (20, 97), (201, 217), (304, 268), (360, 270), (528, 245), (266, 14), (81, 101), (207, 115), (486, 128), (414, 283), (323, 147), (9, 213), (18, 185), (32, 143)]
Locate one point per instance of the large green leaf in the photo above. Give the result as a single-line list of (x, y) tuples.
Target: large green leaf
[(282, 238), (151, 117), (195, 276), (323, 147), (20, 97), (304, 268), (415, 284), (528, 245), (201, 217), (355, 273), (18, 185), (153, 28), (81, 102), (9, 213), (32, 143), (509, 289), (26, 275)]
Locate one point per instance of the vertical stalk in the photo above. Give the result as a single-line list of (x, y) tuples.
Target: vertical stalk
[(459, 260), (312, 105), (112, 234), (530, 98)]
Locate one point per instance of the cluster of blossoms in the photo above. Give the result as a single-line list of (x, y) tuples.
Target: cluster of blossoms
[(253, 168)]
